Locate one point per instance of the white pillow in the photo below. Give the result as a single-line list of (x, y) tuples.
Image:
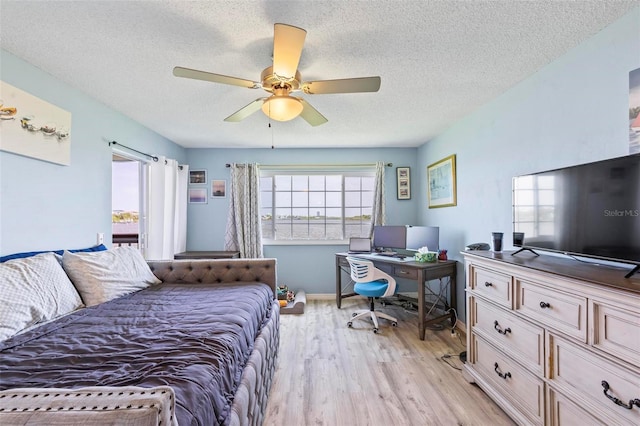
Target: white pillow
[(32, 290), (104, 275)]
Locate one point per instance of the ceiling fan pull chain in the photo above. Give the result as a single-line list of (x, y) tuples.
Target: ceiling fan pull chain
[(272, 146)]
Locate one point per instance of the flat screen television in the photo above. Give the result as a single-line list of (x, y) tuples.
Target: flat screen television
[(590, 210)]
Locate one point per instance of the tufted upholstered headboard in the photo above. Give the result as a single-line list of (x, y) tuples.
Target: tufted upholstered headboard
[(210, 271)]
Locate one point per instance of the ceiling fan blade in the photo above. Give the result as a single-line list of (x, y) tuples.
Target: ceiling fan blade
[(216, 78), (246, 111), (287, 48), (346, 85), (311, 115)]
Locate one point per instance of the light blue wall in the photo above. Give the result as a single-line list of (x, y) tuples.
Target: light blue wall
[(311, 268), (46, 206), (573, 111)]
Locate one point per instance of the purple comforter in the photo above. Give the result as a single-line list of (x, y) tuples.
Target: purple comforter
[(194, 338)]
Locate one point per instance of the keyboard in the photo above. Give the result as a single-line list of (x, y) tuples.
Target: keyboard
[(387, 253), (398, 258), (393, 258)]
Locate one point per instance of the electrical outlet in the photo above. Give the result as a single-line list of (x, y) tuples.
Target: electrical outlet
[(100, 238)]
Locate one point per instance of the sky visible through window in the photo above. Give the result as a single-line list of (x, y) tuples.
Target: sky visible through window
[(124, 192)]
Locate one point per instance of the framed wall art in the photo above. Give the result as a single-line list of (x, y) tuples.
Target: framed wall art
[(634, 111), (218, 188), (403, 178), (198, 195), (441, 183), (197, 177), (32, 127)]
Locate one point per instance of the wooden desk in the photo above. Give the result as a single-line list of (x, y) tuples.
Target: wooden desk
[(207, 255), (415, 271)]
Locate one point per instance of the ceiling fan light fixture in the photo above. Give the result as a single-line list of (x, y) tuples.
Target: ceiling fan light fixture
[(282, 78), (282, 108)]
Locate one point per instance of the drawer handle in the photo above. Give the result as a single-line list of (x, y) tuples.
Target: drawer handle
[(488, 284), (628, 406), (499, 330), (505, 375), (544, 305)]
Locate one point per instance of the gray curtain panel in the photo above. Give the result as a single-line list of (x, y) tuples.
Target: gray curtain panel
[(244, 231), (377, 210)]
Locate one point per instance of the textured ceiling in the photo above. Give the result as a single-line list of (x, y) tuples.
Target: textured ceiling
[(438, 60)]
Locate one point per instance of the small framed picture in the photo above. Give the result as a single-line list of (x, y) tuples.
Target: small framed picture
[(198, 195), (403, 176), (197, 177), (218, 188)]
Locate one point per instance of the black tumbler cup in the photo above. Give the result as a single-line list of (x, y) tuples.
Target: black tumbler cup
[(497, 241)]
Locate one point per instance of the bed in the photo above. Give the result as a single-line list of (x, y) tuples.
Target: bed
[(199, 348)]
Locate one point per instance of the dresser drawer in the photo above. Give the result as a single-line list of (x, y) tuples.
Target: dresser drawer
[(616, 330), (563, 311), (523, 340), (511, 380), (409, 273), (581, 374), (563, 412), (492, 285)]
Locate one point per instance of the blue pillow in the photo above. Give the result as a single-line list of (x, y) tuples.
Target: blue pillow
[(100, 247)]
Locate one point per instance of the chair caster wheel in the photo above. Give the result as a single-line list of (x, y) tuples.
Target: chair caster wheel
[(394, 324), (353, 315), (349, 324), (375, 331)]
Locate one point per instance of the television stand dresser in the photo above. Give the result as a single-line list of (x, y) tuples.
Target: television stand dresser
[(554, 341)]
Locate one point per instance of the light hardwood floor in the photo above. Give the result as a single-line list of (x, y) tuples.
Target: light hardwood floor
[(329, 374)]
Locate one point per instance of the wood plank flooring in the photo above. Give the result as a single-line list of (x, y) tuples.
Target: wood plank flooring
[(329, 374)]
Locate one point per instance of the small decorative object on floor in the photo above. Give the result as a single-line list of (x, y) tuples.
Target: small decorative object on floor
[(424, 255), (283, 292), (442, 255)]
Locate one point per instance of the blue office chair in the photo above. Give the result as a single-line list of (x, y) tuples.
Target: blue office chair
[(371, 282)]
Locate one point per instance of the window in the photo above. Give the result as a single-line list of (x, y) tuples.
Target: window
[(316, 206)]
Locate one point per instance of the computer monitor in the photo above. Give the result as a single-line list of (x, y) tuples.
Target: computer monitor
[(389, 237), (423, 236)]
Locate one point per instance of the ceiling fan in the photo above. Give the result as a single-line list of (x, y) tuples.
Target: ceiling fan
[(282, 79)]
